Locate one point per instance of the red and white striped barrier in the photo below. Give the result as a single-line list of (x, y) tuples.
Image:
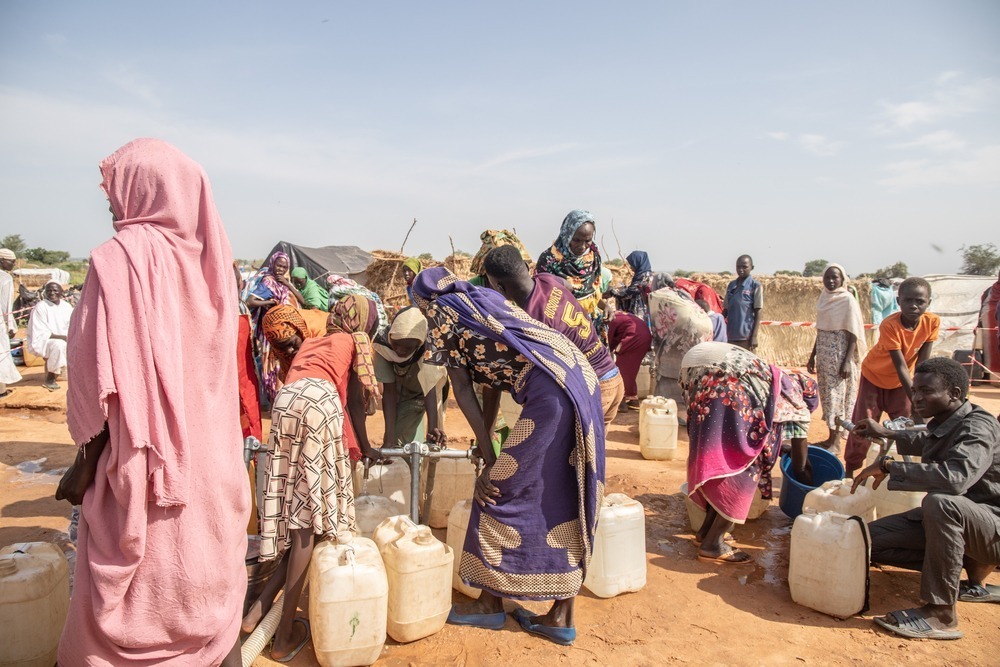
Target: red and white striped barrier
[(775, 323)]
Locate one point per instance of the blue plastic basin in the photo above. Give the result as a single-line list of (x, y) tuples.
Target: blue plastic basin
[(825, 467)]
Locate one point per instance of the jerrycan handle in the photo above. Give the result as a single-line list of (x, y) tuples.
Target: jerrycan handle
[(349, 555), (868, 558)]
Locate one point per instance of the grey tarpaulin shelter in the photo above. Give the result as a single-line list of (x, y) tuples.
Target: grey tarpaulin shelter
[(344, 260)]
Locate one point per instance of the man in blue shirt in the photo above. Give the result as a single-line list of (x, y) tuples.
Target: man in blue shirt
[(742, 304)]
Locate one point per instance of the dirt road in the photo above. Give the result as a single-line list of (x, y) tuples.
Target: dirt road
[(688, 613)]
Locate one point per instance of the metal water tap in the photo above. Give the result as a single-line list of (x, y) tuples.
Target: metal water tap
[(251, 446)]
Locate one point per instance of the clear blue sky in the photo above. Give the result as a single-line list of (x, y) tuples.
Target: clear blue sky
[(858, 132)]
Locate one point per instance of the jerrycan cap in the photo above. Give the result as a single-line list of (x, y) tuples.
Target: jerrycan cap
[(841, 487), (8, 565), (424, 537)]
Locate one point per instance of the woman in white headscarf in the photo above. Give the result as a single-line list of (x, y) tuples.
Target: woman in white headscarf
[(838, 351), (48, 327)]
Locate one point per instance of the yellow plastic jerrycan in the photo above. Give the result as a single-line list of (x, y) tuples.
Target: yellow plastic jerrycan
[(419, 568)]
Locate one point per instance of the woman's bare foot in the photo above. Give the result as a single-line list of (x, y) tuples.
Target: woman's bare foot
[(560, 615), (283, 645)]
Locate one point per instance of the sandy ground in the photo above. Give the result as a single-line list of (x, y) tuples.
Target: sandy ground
[(689, 612)]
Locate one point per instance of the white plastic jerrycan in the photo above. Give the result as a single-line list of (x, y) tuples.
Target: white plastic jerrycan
[(370, 511), (458, 525), (828, 563), (836, 496), (419, 568), (618, 564), (889, 502), (34, 600), (454, 480), (658, 440), (644, 381), (654, 403), (390, 481), (348, 600)]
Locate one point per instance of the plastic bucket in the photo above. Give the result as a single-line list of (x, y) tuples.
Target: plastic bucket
[(825, 468)]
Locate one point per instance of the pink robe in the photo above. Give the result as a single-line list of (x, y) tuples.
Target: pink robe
[(160, 573)]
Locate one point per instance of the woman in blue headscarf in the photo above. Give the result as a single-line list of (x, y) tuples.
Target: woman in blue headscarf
[(574, 257), (635, 297), (531, 532)]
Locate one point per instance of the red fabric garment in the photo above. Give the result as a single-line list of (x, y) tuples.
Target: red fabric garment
[(991, 339), (330, 358), (248, 383), (630, 338), (700, 291)]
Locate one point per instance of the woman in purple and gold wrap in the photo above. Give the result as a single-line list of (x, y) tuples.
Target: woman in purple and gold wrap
[(536, 505)]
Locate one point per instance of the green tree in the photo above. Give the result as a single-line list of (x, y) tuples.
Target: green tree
[(786, 272), (425, 257), (43, 256), (980, 260), (814, 267), (617, 261), (897, 270), (682, 273), (14, 242)]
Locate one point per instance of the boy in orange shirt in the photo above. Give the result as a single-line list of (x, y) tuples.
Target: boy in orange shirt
[(905, 339)]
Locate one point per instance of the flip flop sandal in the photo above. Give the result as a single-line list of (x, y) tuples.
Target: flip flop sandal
[(731, 557), (295, 651), (7, 393), (51, 387), (727, 538), (911, 623), (978, 593), (486, 621), (561, 636)]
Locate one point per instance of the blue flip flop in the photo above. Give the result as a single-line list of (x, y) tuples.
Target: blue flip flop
[(562, 636), (486, 621), (295, 651)]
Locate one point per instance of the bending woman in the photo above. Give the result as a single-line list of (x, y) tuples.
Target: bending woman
[(412, 388), (273, 288), (309, 490), (536, 505), (735, 438), (838, 351)]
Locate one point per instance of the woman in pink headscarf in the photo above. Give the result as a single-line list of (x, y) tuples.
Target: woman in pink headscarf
[(153, 404)]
